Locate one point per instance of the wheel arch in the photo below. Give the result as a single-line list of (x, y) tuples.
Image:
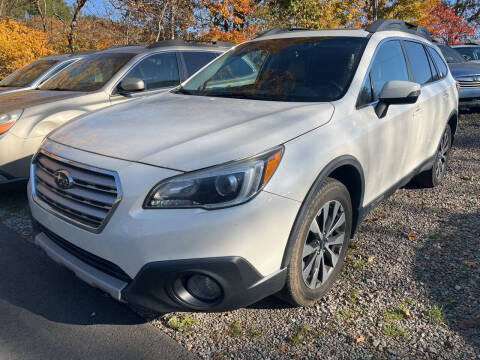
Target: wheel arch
[(347, 170), (453, 122)]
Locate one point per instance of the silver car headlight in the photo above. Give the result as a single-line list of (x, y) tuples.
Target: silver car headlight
[(8, 119), (217, 187)]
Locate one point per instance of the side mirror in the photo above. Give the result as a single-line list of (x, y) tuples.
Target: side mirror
[(131, 84), (466, 57), (397, 93)]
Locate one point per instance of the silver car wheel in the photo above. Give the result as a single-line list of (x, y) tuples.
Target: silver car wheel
[(323, 244)]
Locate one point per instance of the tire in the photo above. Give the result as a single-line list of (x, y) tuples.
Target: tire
[(329, 197), (435, 175)]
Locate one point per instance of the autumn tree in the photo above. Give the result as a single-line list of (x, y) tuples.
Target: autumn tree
[(445, 25), (229, 20), (20, 45)]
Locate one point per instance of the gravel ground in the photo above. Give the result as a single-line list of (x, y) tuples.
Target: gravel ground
[(410, 287)]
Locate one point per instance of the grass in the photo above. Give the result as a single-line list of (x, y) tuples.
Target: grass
[(182, 323), (299, 335), (236, 328), (343, 314), (253, 333), (395, 331), (436, 314), (354, 296), (408, 300)]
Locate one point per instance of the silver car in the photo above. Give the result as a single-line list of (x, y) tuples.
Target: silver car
[(33, 75), (105, 78)]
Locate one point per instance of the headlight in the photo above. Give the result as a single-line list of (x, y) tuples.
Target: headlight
[(7, 120), (216, 187)]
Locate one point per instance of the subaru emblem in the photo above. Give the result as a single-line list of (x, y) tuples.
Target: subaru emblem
[(63, 179)]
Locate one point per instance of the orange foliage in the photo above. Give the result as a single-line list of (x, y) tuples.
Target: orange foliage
[(227, 20), (20, 45)]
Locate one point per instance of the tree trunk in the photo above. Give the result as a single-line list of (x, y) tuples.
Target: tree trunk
[(43, 14), (173, 9), (73, 24), (161, 20)]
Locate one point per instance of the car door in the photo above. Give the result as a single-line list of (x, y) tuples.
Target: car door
[(388, 150), (158, 71), (430, 105)]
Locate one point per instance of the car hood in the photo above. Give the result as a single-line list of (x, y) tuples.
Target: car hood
[(8, 88), (464, 69), (191, 132), (29, 98)]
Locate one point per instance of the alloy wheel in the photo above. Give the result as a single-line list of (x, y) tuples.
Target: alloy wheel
[(323, 244), (442, 157)]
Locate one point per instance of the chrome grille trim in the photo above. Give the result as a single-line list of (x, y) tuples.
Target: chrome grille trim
[(88, 204), (469, 84)]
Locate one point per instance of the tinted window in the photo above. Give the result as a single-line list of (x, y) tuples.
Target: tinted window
[(28, 74), (88, 74), (293, 69), (195, 60), (419, 64), (157, 71), (441, 66), (451, 55), (365, 96), (471, 51), (389, 64)]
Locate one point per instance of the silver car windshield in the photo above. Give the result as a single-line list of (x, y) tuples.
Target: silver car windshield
[(316, 69), (28, 74), (89, 74)]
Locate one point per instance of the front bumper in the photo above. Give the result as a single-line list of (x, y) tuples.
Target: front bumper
[(469, 97), (240, 247), (154, 287), (15, 156)]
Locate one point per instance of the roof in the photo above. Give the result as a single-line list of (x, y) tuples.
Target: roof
[(391, 25)]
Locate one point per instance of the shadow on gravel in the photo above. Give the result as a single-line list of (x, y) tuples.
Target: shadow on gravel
[(33, 284), (448, 268)]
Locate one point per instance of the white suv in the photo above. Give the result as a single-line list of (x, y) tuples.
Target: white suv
[(251, 177)]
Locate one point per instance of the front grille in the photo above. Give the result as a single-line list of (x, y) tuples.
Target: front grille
[(89, 200), (469, 84), (88, 258)]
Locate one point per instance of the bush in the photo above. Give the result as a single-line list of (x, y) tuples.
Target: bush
[(20, 45)]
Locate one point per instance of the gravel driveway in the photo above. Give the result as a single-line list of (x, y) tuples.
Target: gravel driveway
[(410, 289)]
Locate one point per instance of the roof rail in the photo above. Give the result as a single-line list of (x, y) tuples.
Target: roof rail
[(278, 30), (471, 42), (165, 43), (398, 25)]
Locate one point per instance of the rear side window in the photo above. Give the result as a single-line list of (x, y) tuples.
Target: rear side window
[(441, 66), (195, 60), (157, 71), (389, 64), (420, 67)]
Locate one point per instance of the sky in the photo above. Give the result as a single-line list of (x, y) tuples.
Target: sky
[(95, 7)]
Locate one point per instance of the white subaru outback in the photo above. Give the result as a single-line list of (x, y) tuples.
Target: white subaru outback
[(251, 177)]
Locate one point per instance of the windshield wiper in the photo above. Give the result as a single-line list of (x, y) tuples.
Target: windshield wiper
[(181, 90), (55, 89)]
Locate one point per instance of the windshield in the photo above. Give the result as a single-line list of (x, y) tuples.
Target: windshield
[(451, 55), (292, 69), (89, 74), (471, 51), (26, 75)]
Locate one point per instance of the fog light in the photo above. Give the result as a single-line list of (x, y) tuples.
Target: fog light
[(203, 288)]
